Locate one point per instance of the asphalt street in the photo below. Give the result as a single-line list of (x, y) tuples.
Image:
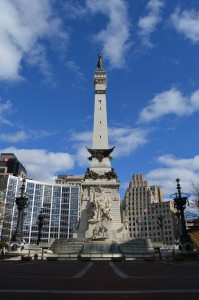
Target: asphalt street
[(99, 280)]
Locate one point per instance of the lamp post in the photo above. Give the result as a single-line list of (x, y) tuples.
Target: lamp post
[(160, 219), (160, 223), (22, 203), (40, 223), (180, 201)]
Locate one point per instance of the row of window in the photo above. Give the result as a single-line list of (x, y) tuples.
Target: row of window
[(56, 203)]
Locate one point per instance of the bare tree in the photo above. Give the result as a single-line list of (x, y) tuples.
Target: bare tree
[(195, 193)]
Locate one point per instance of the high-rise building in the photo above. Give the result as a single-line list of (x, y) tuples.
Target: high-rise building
[(10, 165), (148, 216), (60, 205)]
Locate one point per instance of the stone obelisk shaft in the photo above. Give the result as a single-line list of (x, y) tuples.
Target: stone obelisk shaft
[(100, 128)]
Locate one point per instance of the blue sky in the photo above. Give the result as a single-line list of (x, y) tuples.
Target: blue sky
[(48, 56)]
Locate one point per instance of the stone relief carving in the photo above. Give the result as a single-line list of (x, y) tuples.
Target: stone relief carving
[(126, 224), (108, 175), (100, 233), (111, 174), (100, 80), (100, 206)]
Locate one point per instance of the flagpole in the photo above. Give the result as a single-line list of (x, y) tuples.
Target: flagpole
[(147, 221), (147, 226)]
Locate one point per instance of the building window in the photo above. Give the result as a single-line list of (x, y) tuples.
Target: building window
[(2, 170)]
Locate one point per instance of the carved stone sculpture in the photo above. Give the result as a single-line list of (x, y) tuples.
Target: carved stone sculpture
[(108, 175), (100, 207), (100, 232)]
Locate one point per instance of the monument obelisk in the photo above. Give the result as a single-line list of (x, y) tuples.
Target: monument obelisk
[(100, 218)]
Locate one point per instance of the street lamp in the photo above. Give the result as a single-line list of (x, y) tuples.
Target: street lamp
[(180, 201), (40, 223), (160, 220), (160, 223), (22, 203)]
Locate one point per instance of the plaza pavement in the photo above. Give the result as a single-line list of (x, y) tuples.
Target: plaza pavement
[(99, 280)]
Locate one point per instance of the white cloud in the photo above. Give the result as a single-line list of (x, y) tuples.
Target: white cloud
[(41, 164), (5, 108), (187, 169), (23, 26), (85, 136), (147, 24), (74, 9), (126, 140), (81, 140), (72, 65), (21, 135), (187, 23), (14, 137), (115, 37), (170, 102), (183, 163)]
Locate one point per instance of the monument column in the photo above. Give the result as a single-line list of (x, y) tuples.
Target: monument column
[(100, 129), (100, 159), (100, 211)]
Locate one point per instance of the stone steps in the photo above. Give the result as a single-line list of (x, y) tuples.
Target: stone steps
[(135, 247), (67, 247)]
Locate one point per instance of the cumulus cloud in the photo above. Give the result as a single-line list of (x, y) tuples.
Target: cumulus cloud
[(170, 102), (183, 163), (187, 23), (115, 37), (80, 141), (147, 24), (14, 137), (74, 9), (21, 135), (85, 136), (127, 140), (41, 164), (187, 169), (9, 134), (23, 26)]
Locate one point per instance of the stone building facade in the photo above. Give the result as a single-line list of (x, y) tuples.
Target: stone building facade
[(147, 215)]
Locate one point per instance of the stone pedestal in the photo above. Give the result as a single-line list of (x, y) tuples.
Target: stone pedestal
[(101, 215)]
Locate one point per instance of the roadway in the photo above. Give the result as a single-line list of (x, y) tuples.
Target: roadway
[(135, 280)]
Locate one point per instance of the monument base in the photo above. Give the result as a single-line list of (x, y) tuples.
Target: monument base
[(107, 249)]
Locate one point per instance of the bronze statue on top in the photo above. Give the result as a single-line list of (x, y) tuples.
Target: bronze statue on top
[(99, 63)]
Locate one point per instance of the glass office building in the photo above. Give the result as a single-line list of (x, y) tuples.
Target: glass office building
[(60, 205)]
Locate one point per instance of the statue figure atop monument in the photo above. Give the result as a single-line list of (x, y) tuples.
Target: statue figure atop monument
[(99, 63)]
